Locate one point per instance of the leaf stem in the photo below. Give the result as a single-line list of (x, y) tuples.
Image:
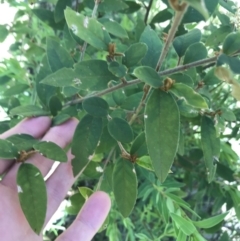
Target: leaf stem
[(176, 22), (148, 8)]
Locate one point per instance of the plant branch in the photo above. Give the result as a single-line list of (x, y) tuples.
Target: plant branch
[(148, 11), (176, 22), (137, 81), (94, 13)]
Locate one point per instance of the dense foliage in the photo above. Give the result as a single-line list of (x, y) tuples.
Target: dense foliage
[(156, 96)]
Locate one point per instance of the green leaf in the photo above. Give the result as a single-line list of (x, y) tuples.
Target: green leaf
[(76, 203), (210, 144), (93, 74), (112, 6), (120, 130), (191, 97), (3, 33), (57, 56), (59, 9), (151, 39), (88, 29), (119, 96), (162, 16), (145, 162), (124, 186), (233, 62), (85, 140), (8, 150), (22, 141), (134, 54), (182, 78), (182, 42), (139, 146), (114, 28), (181, 236), (51, 151), (199, 5), (211, 222), (28, 111), (162, 125), (210, 78), (184, 225), (195, 52), (55, 105), (16, 89), (117, 69), (231, 43), (32, 195), (85, 192), (228, 114), (96, 106), (149, 76)]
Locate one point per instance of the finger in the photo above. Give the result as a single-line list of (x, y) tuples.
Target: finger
[(89, 220), (35, 127), (61, 135)]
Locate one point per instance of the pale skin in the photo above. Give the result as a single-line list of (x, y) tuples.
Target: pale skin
[(13, 225)]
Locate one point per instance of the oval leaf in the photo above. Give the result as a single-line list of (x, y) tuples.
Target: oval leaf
[(192, 98), (96, 106), (194, 53), (51, 151), (28, 111), (32, 195), (162, 125), (125, 186), (120, 130), (8, 150), (231, 43)]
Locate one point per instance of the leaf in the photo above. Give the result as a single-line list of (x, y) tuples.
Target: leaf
[(151, 39), (120, 130), (57, 56), (76, 203), (96, 106), (210, 78), (112, 5), (28, 111), (85, 192), (210, 144), (16, 89), (139, 146), (134, 54), (231, 43), (55, 105), (211, 222), (7, 150), (199, 5), (191, 97), (59, 9), (149, 76), (182, 42), (181, 236), (114, 28), (3, 33), (162, 126), (32, 195), (184, 225), (235, 196), (124, 186), (88, 29), (162, 16), (233, 62), (145, 162), (117, 69), (85, 140), (22, 141), (51, 151), (195, 52), (182, 78)]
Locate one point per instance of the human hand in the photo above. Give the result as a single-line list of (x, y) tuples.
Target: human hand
[(13, 224)]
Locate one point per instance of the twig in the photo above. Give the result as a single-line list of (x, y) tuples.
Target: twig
[(148, 8), (94, 13), (176, 22)]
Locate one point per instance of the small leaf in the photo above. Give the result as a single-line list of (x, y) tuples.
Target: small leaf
[(195, 52), (120, 130), (211, 222), (124, 186), (149, 76), (233, 62), (210, 144), (88, 29), (151, 39), (3, 33), (191, 97), (51, 151), (231, 43), (85, 192), (182, 42), (28, 111), (32, 195), (162, 125), (139, 146), (96, 106), (184, 225), (145, 162), (199, 5), (55, 105), (22, 141), (85, 140), (59, 9), (117, 69), (16, 89), (134, 54), (76, 203), (7, 150)]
